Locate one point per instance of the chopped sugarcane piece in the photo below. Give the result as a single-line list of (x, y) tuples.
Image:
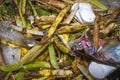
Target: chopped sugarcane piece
[(39, 51), (33, 53), (19, 76), (11, 67), (42, 56), (98, 3), (47, 73), (56, 23), (57, 3), (70, 29), (58, 20), (31, 74), (34, 32), (70, 17), (53, 58), (61, 47), (14, 4), (53, 40), (34, 10), (69, 1), (111, 17), (45, 26), (59, 73), (23, 7), (96, 32), (8, 75), (21, 14), (47, 18), (46, 6), (29, 54), (36, 65), (62, 38), (107, 30), (85, 72)]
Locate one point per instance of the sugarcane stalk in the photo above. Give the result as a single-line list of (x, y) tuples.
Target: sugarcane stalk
[(39, 51), (53, 58), (70, 16), (108, 29), (85, 71), (36, 65), (47, 18), (8, 75), (45, 26), (42, 56), (98, 3), (39, 23), (69, 1), (33, 53), (34, 10), (59, 73), (14, 4), (47, 6), (63, 40), (47, 73), (55, 24), (29, 54), (34, 32), (21, 14), (11, 67), (23, 7), (58, 20), (19, 76), (96, 33), (57, 3), (61, 47), (70, 29), (111, 18)]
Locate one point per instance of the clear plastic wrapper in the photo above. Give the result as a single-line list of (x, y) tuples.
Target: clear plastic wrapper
[(110, 53)]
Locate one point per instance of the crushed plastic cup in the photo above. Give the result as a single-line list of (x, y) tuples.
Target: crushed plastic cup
[(100, 71), (85, 13)]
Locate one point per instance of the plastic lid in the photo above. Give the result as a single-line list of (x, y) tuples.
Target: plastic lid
[(97, 71)]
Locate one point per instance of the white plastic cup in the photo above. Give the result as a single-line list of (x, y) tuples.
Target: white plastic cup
[(84, 13), (100, 71)]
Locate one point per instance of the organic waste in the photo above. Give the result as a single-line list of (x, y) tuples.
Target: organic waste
[(56, 39)]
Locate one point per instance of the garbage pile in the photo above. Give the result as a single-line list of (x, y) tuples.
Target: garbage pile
[(59, 39)]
